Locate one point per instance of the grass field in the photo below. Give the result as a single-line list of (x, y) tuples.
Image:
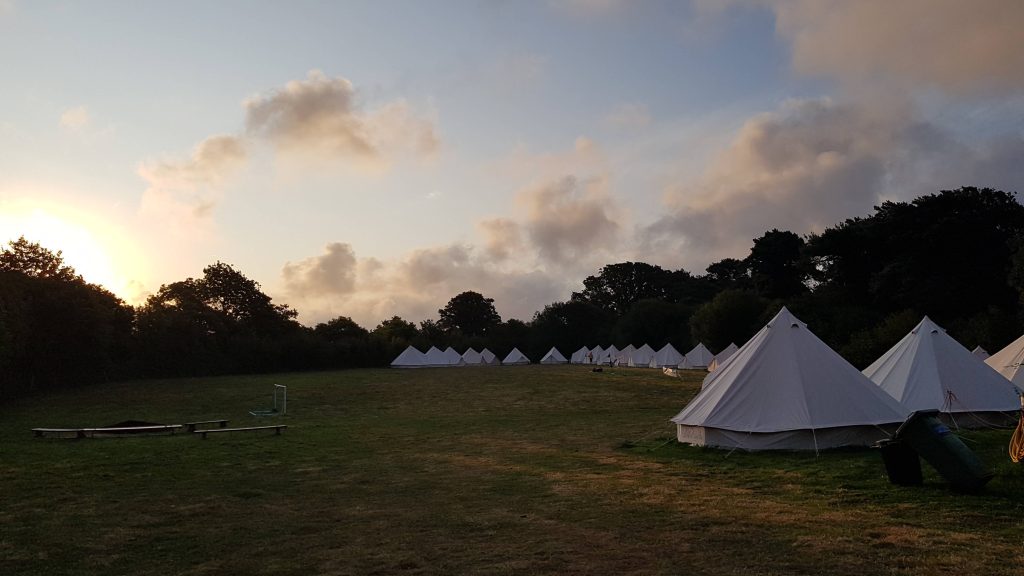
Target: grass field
[(515, 470)]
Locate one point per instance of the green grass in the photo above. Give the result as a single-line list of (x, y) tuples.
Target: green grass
[(515, 470)]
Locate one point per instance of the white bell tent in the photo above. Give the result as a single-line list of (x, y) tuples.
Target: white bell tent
[(579, 356), (553, 357), (1007, 362), (488, 357), (668, 356), (515, 357), (929, 370), (699, 357), (472, 358), (411, 357), (436, 358), (453, 357), (722, 356), (787, 390), (641, 357)]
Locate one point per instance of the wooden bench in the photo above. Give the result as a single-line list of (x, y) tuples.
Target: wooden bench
[(276, 427), (91, 432), (192, 425)]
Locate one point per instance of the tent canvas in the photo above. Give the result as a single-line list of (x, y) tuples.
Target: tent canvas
[(980, 352), (579, 356), (641, 357), (622, 359), (435, 357), (488, 357), (595, 355), (722, 356), (609, 355), (668, 356), (515, 357), (1007, 362), (786, 389), (411, 357), (929, 370), (453, 357), (472, 358), (699, 357), (553, 357)]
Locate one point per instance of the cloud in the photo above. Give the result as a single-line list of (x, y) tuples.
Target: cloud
[(321, 116), (568, 219), (630, 116), (74, 119), (502, 237), (333, 272), (413, 287), (960, 47), (182, 194), (812, 164)]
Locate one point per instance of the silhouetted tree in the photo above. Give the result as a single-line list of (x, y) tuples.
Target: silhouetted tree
[(469, 313), (618, 286), (731, 316), (775, 265)]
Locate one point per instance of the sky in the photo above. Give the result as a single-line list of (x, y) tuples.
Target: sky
[(372, 159)]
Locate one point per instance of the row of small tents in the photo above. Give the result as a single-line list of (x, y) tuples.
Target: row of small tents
[(644, 356), (412, 357), (786, 389)]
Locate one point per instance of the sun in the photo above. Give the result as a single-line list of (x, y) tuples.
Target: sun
[(93, 247)]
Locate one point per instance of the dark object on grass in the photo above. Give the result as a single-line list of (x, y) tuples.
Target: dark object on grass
[(597, 369), (936, 443), (901, 463)]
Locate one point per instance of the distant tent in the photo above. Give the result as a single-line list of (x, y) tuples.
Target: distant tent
[(579, 356), (1007, 362), (472, 358), (553, 357), (609, 356), (641, 357), (595, 355), (929, 370), (488, 357), (515, 357), (622, 359), (980, 352), (411, 357), (699, 357), (668, 356), (787, 390), (436, 358), (453, 357), (722, 356)]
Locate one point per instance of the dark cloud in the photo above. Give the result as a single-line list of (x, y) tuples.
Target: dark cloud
[(569, 219)]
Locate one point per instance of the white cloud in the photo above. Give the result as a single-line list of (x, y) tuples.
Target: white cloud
[(322, 117), (630, 116), (74, 119)]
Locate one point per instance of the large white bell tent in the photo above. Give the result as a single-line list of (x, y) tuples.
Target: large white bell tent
[(553, 357), (722, 356), (579, 356), (411, 357), (1007, 362), (668, 356), (980, 352), (787, 390), (699, 357), (488, 357), (929, 370), (515, 357), (641, 357)]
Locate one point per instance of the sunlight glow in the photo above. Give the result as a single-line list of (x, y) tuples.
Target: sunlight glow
[(93, 247)]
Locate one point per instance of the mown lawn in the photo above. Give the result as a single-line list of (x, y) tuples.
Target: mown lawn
[(513, 470)]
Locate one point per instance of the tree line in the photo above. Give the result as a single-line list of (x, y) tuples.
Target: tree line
[(957, 256)]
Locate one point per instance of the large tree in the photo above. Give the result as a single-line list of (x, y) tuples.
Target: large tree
[(469, 313), (35, 261), (618, 286), (775, 265)]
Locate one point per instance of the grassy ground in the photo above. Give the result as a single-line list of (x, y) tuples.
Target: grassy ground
[(515, 470)]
